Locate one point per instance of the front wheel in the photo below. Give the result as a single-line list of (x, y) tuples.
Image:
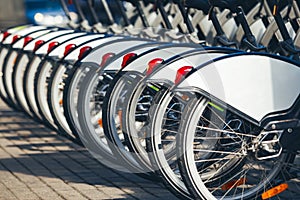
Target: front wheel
[(215, 158)]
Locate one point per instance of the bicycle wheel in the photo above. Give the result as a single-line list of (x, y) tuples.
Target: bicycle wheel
[(22, 63), (70, 97), (137, 99), (55, 98), (28, 84), (165, 118), (57, 76), (148, 109), (124, 86), (41, 81), (91, 94), (165, 115), (90, 114), (214, 158), (161, 129), (49, 64), (8, 68), (113, 106), (3, 93), (17, 82), (11, 60), (76, 75), (91, 70), (32, 66), (131, 126)]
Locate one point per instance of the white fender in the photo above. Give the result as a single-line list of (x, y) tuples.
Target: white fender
[(20, 43), (46, 37), (114, 47), (23, 32), (253, 84), (168, 72), (44, 48), (141, 63), (15, 29), (93, 44), (59, 51), (116, 64)]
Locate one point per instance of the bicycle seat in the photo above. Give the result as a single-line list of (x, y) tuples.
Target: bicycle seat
[(149, 1), (133, 2), (225, 3), (231, 4), (197, 4)]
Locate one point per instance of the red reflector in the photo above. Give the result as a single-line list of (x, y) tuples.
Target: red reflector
[(152, 64), (128, 58), (233, 184), (182, 72), (70, 1), (52, 45), (106, 58), (27, 40), (69, 48), (84, 51), (100, 122), (274, 191), (5, 35), (15, 38), (38, 44)]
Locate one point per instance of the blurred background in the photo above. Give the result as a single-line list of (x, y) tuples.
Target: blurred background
[(42, 12), (16, 12)]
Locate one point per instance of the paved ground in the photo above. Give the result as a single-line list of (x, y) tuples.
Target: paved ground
[(36, 163)]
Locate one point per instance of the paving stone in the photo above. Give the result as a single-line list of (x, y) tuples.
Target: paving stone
[(37, 163), (6, 193)]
